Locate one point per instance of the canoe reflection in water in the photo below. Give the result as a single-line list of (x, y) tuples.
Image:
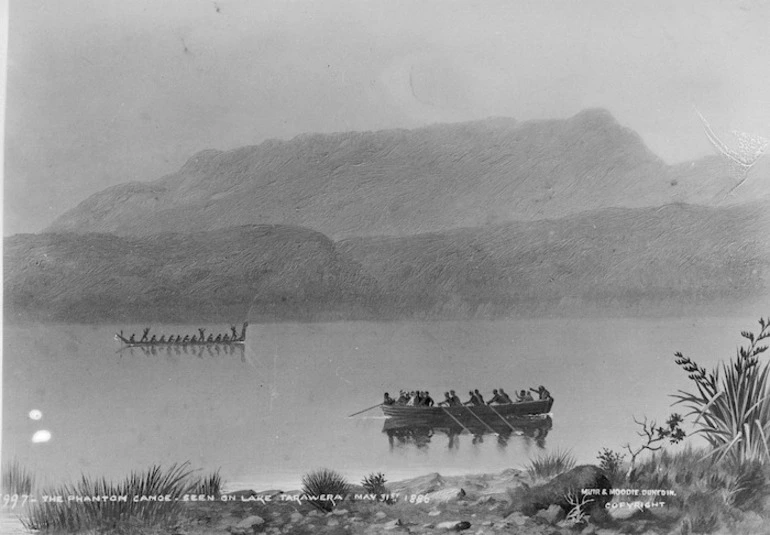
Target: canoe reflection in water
[(403, 432), (200, 351)]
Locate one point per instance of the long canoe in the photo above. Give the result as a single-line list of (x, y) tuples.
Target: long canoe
[(176, 341)]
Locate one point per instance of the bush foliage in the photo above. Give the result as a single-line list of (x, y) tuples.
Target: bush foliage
[(375, 483)]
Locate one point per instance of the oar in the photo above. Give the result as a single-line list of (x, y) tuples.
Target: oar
[(503, 419), (456, 420), (480, 420), (370, 408)]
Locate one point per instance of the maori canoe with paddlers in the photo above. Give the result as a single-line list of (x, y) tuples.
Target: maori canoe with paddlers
[(520, 408), (187, 340)]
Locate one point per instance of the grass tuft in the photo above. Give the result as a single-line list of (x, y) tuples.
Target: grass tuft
[(76, 516), (375, 484), (551, 464), (324, 481), (210, 485), (17, 479)]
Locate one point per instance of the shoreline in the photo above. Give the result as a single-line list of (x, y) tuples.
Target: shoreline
[(511, 500)]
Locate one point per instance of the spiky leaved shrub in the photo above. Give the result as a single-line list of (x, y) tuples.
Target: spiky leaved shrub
[(77, 516), (17, 479), (324, 482), (374, 483), (551, 464), (732, 403), (210, 485)]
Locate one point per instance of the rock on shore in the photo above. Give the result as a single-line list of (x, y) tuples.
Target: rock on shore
[(565, 490)]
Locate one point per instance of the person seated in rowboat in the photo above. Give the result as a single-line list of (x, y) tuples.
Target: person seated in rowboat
[(226, 338), (506, 399), (542, 392), (524, 396), (495, 398), (218, 338), (162, 339), (450, 400), (427, 401), (473, 401), (210, 338), (388, 400), (411, 402), (402, 398), (133, 338), (153, 339), (186, 338), (479, 397)]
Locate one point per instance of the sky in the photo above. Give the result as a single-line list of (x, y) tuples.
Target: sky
[(101, 92)]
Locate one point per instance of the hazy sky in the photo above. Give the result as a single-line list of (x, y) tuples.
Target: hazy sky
[(102, 92)]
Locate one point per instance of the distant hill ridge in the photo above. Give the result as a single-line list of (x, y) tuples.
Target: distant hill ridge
[(406, 182), (616, 261)]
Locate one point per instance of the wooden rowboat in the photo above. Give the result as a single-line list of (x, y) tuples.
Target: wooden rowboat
[(533, 426), (186, 341), (483, 412)]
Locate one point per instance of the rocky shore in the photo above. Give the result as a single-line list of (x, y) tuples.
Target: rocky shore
[(580, 501)]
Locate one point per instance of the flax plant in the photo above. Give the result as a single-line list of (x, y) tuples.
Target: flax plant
[(209, 485), (102, 514), (17, 479), (732, 402), (324, 482)]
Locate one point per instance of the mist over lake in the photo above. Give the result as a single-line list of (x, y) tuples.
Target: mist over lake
[(276, 409)]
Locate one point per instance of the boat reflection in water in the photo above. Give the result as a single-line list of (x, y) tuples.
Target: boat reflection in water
[(419, 432), (200, 351)]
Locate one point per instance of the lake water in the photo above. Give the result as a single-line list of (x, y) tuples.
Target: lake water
[(277, 409)]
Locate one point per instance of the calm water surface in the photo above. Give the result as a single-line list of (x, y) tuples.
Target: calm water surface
[(277, 409)]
